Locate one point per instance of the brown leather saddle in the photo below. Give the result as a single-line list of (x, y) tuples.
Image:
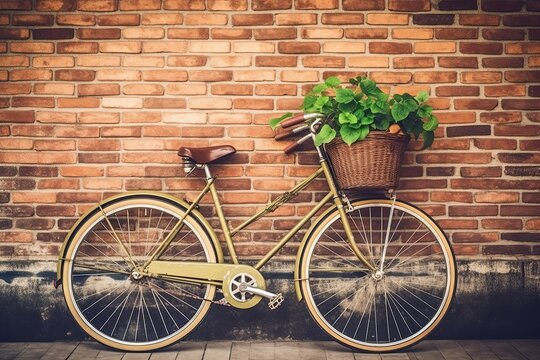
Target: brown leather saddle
[(206, 155)]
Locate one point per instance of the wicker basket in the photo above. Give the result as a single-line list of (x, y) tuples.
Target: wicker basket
[(372, 163)]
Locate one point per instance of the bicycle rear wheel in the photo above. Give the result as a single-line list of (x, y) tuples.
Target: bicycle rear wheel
[(101, 279), (394, 307)]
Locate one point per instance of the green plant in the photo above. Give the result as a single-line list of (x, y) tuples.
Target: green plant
[(353, 111)]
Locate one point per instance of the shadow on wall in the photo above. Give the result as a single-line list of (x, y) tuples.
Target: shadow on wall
[(495, 299)]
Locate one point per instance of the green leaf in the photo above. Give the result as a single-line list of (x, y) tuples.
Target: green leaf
[(347, 118), (369, 87), (344, 96), (325, 135), (382, 123), (428, 137), (410, 104), (398, 97), (349, 134), (424, 111), (332, 81), (364, 131), (275, 121), (320, 102), (382, 96), (399, 111), (422, 96), (367, 120), (359, 113), (319, 88), (309, 100), (348, 107), (431, 124)]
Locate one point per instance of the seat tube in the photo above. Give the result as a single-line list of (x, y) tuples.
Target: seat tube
[(221, 216)]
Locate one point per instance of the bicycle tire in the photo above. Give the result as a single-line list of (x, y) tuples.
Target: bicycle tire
[(99, 286), (378, 312)]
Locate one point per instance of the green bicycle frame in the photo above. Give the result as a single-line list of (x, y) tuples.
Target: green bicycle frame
[(228, 233)]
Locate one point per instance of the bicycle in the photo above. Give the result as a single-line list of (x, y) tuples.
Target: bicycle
[(141, 269)]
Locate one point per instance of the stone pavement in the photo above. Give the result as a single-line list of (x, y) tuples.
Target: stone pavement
[(278, 350)]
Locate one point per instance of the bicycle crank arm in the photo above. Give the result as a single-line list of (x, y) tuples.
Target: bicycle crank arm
[(275, 299)]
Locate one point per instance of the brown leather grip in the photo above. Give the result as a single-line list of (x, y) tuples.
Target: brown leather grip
[(284, 134), (289, 149), (292, 121)]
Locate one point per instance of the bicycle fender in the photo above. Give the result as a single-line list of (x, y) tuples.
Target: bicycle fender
[(302, 247), (178, 202)]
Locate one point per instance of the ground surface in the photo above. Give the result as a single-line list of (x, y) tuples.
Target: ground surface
[(231, 350)]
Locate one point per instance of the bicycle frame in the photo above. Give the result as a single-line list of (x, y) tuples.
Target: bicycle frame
[(164, 267)]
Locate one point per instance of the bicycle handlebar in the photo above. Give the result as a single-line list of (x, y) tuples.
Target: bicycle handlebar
[(289, 149), (292, 132), (293, 121)]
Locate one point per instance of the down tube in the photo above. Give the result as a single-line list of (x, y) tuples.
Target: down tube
[(293, 231)]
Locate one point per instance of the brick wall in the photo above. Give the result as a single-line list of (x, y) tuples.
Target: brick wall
[(97, 95)]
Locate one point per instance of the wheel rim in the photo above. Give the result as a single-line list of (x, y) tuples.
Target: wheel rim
[(384, 310), (103, 291)]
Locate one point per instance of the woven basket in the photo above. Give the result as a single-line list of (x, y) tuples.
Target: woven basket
[(372, 163)]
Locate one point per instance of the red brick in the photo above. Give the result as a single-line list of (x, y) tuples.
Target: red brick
[(435, 77), (472, 210), (299, 47), (192, 33), (231, 89), (474, 237), (230, 34), (457, 91), (98, 89), (276, 61), (295, 19), (226, 5), (454, 158), (433, 19), (520, 104), (315, 4), (504, 90), (32, 101), (481, 77), (13, 89), (452, 33), (489, 48), (390, 48), (363, 5), (252, 19), (342, 19), (55, 5), (475, 104), (162, 19), (14, 34), (521, 20), (261, 5), (479, 20), (78, 102), (53, 34), (77, 47), (324, 61), (133, 47), (409, 5), (451, 196), (119, 20), (16, 5), (74, 75), (492, 144), (525, 47), (97, 5), (53, 61), (110, 33), (501, 5), (140, 4), (72, 19), (503, 34), (32, 20), (500, 223), (502, 62), (32, 47), (164, 75), (184, 5), (274, 34), (25, 75), (371, 33)]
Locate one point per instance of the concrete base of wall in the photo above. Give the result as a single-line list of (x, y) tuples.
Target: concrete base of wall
[(494, 299)]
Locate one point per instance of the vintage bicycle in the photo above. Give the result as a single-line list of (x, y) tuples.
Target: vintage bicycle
[(141, 269)]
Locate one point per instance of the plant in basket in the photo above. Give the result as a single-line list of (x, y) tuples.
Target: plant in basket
[(366, 130)]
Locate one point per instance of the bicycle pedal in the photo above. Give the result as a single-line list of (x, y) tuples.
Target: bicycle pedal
[(276, 301)]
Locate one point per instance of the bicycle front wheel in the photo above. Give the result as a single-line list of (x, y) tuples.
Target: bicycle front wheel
[(393, 307), (103, 286)]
